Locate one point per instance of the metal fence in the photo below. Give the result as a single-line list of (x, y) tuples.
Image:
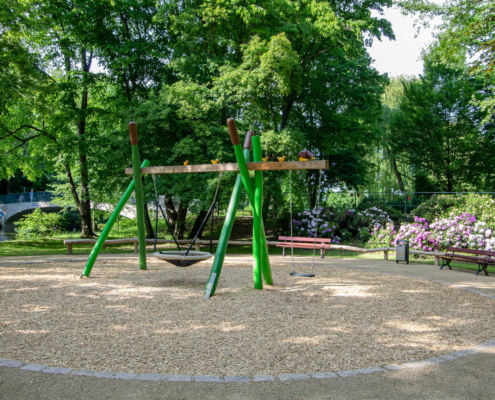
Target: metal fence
[(26, 197)]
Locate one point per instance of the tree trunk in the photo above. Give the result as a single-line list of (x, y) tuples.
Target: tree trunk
[(180, 225), (171, 212), (398, 175), (85, 205), (83, 210), (288, 101), (150, 234), (197, 223), (312, 191)]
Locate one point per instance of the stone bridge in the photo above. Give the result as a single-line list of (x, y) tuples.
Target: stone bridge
[(16, 205), (13, 209)]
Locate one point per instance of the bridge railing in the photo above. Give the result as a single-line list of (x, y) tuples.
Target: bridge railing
[(26, 197)]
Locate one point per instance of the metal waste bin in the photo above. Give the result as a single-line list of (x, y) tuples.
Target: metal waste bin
[(402, 251)]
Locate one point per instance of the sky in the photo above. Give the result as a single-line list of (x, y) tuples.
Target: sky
[(402, 56)]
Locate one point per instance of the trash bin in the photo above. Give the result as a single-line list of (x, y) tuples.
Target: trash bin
[(402, 251)]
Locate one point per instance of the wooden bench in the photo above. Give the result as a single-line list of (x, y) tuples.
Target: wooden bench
[(481, 257), (322, 244)]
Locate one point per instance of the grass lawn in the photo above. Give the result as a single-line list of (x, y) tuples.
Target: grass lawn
[(36, 247)]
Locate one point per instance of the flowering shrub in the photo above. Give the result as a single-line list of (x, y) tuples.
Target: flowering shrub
[(456, 231), (373, 218), (442, 206), (306, 224), (383, 236)]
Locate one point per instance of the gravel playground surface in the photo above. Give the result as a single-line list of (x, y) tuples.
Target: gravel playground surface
[(156, 321)]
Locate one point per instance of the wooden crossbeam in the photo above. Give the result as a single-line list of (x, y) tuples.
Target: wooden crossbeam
[(268, 166)]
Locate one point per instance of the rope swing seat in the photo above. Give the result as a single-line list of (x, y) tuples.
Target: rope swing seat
[(181, 258)]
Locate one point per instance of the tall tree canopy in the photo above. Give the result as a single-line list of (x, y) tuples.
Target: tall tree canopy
[(439, 130)]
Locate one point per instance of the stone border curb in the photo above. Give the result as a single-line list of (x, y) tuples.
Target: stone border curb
[(244, 378), (490, 344)]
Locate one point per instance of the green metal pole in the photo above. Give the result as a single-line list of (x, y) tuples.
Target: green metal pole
[(258, 200), (108, 226), (241, 162), (234, 137), (223, 241), (139, 195)]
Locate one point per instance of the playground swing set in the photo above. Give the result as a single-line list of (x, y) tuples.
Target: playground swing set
[(261, 262)]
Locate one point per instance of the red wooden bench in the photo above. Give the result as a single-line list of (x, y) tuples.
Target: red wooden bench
[(322, 244), (481, 257)]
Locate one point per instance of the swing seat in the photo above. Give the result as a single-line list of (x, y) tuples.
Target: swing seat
[(302, 275), (180, 259)]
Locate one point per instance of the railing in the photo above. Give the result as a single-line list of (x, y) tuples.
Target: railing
[(25, 197)]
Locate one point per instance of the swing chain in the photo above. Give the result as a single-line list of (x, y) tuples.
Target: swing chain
[(291, 222), (317, 218)]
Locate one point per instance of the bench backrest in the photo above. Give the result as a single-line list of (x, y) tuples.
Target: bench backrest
[(489, 253), (303, 239)]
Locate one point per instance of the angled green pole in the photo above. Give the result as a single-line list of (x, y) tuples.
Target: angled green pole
[(234, 137), (108, 226), (138, 188), (228, 224), (258, 200)]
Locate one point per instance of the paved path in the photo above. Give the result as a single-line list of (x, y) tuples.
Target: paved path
[(467, 377)]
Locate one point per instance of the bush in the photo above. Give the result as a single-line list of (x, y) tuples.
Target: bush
[(456, 231), (316, 223), (383, 237), (37, 224), (442, 206)]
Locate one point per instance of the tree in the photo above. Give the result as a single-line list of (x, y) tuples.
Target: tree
[(438, 130), (275, 66), (469, 26)]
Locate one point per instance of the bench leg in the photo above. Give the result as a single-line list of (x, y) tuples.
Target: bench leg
[(445, 264), (482, 267), (69, 248), (136, 247), (197, 246), (437, 262), (322, 253), (385, 255), (283, 251)]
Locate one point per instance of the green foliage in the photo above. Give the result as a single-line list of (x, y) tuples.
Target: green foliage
[(383, 237), (38, 224), (438, 130), (442, 206), (466, 34)]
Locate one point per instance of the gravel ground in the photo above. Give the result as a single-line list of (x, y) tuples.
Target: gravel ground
[(156, 321)]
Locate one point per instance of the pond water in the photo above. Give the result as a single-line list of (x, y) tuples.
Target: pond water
[(7, 232)]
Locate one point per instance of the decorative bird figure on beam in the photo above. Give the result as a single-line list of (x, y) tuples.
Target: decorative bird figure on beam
[(186, 162), (281, 159), (306, 155), (215, 161)]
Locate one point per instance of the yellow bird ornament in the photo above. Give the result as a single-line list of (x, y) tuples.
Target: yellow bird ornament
[(215, 161), (186, 162), (281, 159), (265, 159)]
